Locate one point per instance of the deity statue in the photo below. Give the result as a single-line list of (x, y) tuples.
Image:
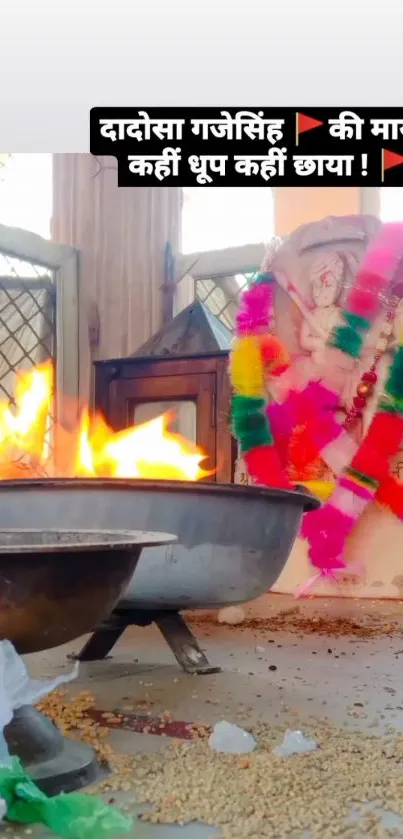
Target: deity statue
[(314, 269), (326, 274)]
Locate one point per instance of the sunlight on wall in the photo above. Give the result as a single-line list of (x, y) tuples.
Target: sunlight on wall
[(26, 193), (224, 217)]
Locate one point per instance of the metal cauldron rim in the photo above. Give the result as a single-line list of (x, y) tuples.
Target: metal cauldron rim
[(298, 496), (100, 540)]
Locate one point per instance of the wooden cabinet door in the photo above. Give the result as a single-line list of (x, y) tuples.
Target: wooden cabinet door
[(191, 398)]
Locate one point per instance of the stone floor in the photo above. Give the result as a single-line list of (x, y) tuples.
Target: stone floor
[(278, 670)]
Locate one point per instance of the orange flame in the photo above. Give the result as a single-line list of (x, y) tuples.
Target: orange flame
[(149, 450)]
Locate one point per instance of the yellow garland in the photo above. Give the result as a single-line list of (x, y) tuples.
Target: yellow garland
[(247, 371), (322, 489)]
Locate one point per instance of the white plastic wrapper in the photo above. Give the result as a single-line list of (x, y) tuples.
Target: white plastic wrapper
[(18, 689), (295, 743), (231, 739)]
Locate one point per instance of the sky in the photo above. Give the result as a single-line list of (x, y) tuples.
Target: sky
[(26, 193), (213, 217)]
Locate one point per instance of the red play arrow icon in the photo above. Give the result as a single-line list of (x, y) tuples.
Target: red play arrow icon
[(305, 123), (389, 160)]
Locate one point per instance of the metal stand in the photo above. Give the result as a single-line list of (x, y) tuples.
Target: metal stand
[(172, 626), (54, 763)]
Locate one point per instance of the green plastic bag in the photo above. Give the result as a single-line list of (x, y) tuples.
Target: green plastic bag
[(72, 815)]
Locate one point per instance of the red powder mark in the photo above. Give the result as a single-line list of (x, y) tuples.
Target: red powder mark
[(141, 724)]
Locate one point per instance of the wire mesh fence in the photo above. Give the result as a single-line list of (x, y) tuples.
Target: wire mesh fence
[(222, 295)]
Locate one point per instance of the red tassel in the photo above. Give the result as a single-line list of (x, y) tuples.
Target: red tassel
[(369, 461), (302, 452), (385, 433), (281, 442), (275, 356), (264, 467), (390, 495)]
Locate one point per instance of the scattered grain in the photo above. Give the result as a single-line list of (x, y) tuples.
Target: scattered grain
[(264, 796), (255, 797)]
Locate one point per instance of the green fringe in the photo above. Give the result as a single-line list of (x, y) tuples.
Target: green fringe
[(347, 339), (394, 383), (264, 278), (243, 406), (251, 441), (365, 479), (250, 424), (254, 422), (357, 322), (390, 407)]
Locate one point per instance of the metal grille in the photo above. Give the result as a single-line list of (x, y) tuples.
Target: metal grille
[(27, 322), (221, 295)]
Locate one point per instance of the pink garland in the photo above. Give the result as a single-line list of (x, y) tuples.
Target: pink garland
[(256, 311)]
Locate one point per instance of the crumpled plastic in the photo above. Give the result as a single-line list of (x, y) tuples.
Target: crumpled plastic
[(72, 815), (18, 689), (294, 742), (230, 739)]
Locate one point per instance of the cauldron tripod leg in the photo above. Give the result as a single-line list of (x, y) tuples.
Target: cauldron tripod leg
[(102, 640), (183, 644), (172, 626)]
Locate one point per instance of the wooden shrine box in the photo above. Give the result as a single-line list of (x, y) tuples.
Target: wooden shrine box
[(183, 368)]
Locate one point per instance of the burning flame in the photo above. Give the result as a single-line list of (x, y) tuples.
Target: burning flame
[(30, 448)]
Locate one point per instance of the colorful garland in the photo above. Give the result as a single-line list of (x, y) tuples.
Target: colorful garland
[(303, 428), (365, 479), (327, 529), (255, 355)]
